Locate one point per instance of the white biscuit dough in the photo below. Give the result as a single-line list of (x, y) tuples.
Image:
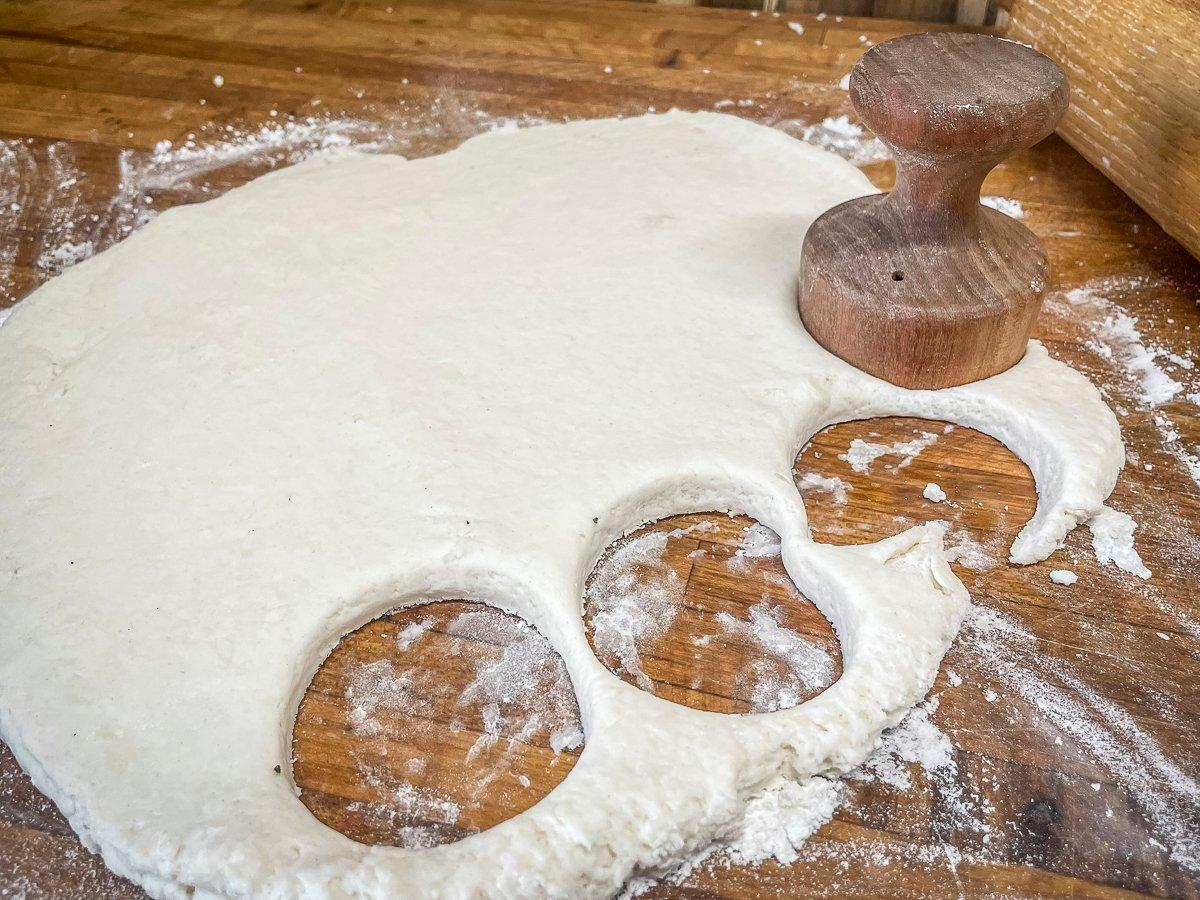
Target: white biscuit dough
[(364, 382)]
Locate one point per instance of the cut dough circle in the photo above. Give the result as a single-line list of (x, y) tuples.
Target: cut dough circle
[(363, 382)]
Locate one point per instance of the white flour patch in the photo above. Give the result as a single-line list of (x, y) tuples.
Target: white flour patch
[(811, 482), (807, 668), (915, 740), (1006, 205), (861, 454), (776, 824), (377, 686), (59, 259), (778, 821), (967, 552), (756, 542), (934, 493), (525, 691), (841, 136), (1151, 375), (412, 632), (918, 742), (626, 613)]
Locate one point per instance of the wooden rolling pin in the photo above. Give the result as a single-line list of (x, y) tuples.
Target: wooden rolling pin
[(925, 287)]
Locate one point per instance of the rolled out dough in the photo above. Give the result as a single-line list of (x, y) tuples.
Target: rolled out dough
[(364, 382)]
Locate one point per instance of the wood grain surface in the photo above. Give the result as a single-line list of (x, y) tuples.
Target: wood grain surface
[(1070, 726), (1135, 90)]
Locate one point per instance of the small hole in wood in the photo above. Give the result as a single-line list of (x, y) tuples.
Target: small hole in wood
[(897, 276)]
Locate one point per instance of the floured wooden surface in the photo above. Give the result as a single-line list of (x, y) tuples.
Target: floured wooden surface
[(1044, 814)]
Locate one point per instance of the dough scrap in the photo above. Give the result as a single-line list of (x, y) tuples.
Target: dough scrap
[(363, 382)]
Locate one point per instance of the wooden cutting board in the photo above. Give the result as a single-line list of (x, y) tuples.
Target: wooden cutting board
[(1059, 780)]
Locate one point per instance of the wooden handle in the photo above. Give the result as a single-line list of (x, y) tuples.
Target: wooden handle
[(924, 286)]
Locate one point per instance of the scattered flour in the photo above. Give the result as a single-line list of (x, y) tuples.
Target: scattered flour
[(808, 667), (1166, 795), (1173, 443), (861, 454), (1153, 375), (811, 482), (411, 815), (968, 552), (525, 691), (521, 689), (756, 541), (1006, 205), (845, 138), (915, 740), (626, 613), (918, 742), (1117, 338), (1183, 620), (633, 597)]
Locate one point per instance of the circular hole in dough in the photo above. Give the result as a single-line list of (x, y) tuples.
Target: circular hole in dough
[(867, 480), (698, 610), (433, 723)]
